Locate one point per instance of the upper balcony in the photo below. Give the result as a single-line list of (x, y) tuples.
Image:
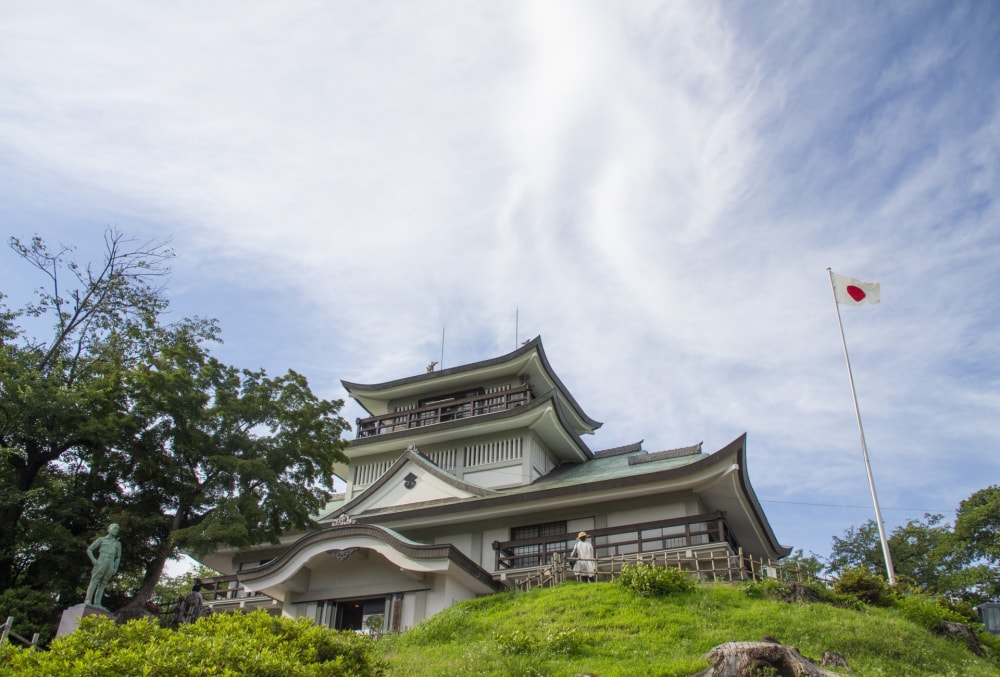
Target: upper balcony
[(445, 409)]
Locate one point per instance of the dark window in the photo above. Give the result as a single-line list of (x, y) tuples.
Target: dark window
[(537, 553)]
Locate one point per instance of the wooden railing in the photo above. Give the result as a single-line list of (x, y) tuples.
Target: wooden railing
[(707, 564), (443, 411), (225, 588), (7, 631), (627, 540)]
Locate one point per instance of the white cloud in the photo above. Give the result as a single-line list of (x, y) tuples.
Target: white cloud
[(656, 188)]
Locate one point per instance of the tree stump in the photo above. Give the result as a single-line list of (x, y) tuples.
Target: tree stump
[(743, 659)]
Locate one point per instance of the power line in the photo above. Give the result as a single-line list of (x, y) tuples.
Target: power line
[(862, 507)]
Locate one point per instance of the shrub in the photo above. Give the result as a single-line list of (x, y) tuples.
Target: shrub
[(927, 612), (252, 644), (33, 611), (653, 581), (865, 586), (766, 589), (522, 642)]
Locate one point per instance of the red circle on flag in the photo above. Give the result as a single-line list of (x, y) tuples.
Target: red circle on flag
[(856, 293)]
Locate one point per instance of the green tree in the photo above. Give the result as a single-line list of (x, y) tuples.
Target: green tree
[(929, 555), (977, 524), (220, 454), (860, 548), (59, 395), (117, 417), (977, 534)]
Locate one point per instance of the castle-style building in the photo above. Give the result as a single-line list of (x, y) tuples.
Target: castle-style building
[(463, 480)]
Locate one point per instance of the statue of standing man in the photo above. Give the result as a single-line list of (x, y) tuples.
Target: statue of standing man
[(106, 561)]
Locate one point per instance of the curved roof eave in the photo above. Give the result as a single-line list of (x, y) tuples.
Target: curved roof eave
[(781, 550), (364, 394), (408, 548)]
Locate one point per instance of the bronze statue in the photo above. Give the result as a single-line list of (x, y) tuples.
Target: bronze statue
[(106, 562)]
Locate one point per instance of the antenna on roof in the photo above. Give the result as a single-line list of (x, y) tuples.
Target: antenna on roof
[(515, 327), (441, 361)]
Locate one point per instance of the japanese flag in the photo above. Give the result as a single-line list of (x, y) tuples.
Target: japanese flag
[(853, 292)]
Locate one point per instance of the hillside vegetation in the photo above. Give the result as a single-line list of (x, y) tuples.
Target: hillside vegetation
[(661, 626), (606, 629)]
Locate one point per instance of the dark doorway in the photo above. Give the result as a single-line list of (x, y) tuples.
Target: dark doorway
[(353, 613)]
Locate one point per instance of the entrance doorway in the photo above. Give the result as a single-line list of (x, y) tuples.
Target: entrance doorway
[(354, 614)]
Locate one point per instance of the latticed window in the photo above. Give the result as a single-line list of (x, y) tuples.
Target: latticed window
[(534, 555)]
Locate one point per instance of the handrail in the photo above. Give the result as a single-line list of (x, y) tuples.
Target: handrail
[(441, 412), (221, 588), (696, 530), (7, 631)]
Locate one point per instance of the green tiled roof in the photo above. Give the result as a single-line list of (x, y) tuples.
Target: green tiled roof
[(612, 467)]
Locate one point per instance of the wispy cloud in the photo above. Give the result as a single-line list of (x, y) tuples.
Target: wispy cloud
[(657, 189)]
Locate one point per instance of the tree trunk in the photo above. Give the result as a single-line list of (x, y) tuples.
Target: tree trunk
[(154, 570), (133, 609), (743, 659)]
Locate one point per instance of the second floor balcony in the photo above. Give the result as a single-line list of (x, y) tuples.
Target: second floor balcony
[(441, 411)]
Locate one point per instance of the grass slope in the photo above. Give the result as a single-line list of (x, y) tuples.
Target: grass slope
[(605, 630)]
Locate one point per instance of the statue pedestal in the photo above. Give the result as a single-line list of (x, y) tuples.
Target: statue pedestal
[(71, 617)]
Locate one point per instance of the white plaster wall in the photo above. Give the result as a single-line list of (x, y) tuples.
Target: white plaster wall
[(427, 488), (462, 541), (414, 609), (651, 513), (581, 524), (365, 572), (507, 475), (446, 593)]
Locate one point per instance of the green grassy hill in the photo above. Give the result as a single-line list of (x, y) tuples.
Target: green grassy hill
[(605, 630)]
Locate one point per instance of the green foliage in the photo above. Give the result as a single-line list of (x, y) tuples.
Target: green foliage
[(616, 633), (977, 524), (224, 644), (930, 557), (553, 642), (33, 611), (866, 587), (802, 566), (652, 581), (117, 416), (788, 591), (928, 612)]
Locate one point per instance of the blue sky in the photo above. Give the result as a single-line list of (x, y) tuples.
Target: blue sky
[(657, 189)]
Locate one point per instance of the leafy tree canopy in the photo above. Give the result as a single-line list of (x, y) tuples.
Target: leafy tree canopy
[(931, 556), (116, 416)]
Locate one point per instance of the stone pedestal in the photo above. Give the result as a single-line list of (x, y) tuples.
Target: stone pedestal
[(71, 617)]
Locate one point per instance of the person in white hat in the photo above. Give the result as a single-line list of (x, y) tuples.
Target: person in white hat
[(584, 565)]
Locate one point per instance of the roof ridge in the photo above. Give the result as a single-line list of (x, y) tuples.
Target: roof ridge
[(618, 451), (663, 455)]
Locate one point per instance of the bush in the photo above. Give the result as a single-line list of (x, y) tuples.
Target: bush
[(252, 644), (928, 612), (653, 581), (33, 611), (555, 642), (866, 587)]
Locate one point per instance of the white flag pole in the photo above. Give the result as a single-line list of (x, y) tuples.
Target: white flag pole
[(864, 446)]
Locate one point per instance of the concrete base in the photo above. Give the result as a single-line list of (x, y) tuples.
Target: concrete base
[(71, 617)]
